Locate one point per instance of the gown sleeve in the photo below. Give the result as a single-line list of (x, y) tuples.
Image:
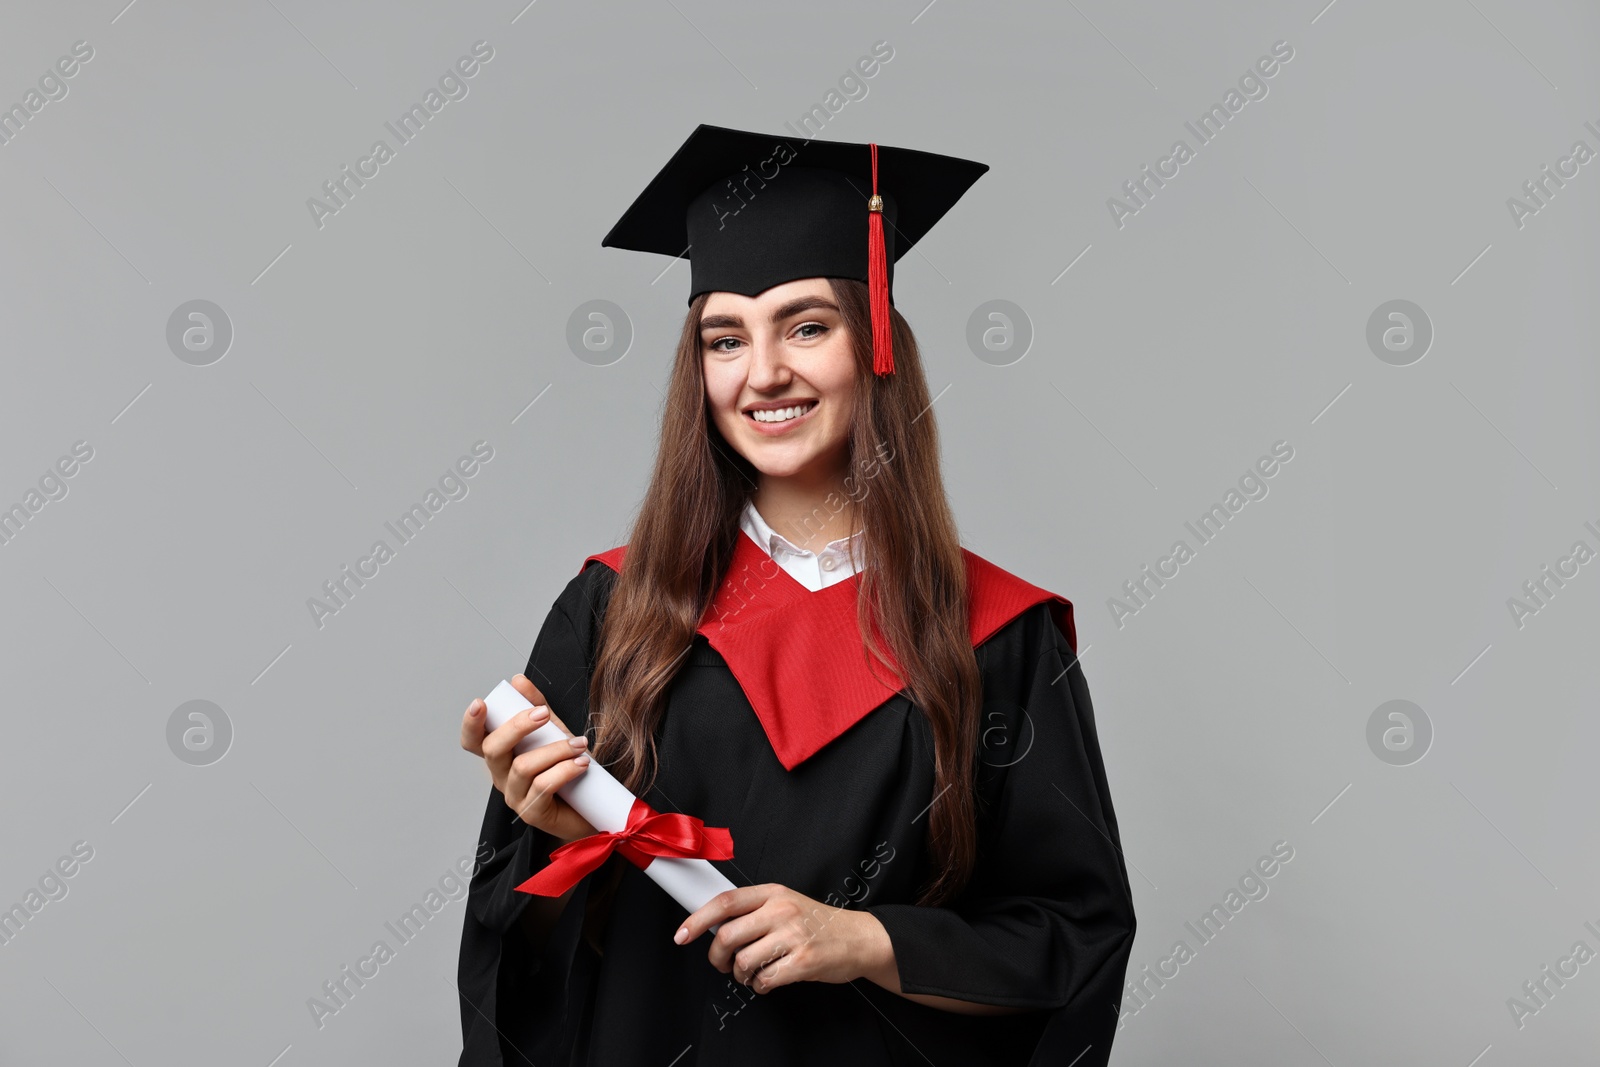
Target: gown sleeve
[(1046, 921), (509, 990)]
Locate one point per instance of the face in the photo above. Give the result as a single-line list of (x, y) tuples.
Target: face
[(767, 355)]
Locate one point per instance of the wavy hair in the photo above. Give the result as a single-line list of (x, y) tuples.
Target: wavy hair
[(913, 590)]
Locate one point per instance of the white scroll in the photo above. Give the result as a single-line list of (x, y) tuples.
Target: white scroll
[(605, 802)]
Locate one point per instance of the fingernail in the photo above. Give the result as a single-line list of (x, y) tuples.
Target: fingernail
[(678, 938), (475, 708), (540, 711), (583, 760), (578, 742)]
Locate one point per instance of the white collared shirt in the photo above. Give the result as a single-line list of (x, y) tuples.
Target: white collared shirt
[(814, 570)]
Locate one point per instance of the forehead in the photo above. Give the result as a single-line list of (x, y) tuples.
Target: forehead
[(725, 303)]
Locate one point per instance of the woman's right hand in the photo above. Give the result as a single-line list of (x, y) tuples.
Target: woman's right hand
[(529, 781)]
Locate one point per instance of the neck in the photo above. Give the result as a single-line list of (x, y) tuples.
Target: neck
[(808, 512)]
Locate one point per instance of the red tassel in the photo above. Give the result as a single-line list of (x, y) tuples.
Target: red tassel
[(878, 279)]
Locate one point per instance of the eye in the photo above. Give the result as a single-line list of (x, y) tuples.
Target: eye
[(819, 327), (715, 346)]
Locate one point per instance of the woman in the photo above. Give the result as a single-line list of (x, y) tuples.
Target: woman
[(793, 645)]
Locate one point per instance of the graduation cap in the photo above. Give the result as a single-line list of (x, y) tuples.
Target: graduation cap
[(753, 210)]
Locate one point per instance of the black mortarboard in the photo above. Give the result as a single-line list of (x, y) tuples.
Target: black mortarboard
[(754, 210)]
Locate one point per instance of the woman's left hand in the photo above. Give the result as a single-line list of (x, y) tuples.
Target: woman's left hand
[(771, 936)]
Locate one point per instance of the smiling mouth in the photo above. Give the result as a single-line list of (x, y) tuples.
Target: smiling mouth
[(779, 416)]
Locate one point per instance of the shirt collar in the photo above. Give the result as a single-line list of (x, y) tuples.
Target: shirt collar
[(772, 542)]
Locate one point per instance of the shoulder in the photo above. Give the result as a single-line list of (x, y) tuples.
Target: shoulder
[(998, 600), (587, 593), (610, 559), (1002, 602), (1030, 647)]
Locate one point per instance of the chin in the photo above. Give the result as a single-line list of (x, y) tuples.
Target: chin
[(773, 457), (780, 466)]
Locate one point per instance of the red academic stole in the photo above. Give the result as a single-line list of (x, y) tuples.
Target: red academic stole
[(769, 628)]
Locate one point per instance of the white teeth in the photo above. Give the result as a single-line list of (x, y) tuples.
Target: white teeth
[(781, 414)]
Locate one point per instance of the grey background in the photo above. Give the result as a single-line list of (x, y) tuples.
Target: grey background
[(368, 355)]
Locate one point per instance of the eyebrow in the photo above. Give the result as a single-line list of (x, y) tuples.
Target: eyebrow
[(784, 311)]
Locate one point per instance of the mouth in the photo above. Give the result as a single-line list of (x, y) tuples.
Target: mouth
[(768, 418)]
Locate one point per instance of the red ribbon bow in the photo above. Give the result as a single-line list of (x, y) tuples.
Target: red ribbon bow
[(648, 834)]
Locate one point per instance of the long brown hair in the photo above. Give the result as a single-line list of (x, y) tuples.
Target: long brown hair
[(913, 588)]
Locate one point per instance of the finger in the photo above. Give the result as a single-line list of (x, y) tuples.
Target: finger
[(538, 803), (530, 691), (729, 902), (735, 936), (536, 761), (547, 785), (515, 793), (498, 744), (521, 684), (781, 971), (472, 728), (760, 964), (523, 793), (557, 720)]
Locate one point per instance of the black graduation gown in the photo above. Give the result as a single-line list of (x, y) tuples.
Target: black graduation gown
[(836, 812)]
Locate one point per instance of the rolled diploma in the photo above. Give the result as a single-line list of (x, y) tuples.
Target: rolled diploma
[(605, 802)]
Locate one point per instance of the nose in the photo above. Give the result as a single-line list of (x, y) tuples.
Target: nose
[(769, 365)]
